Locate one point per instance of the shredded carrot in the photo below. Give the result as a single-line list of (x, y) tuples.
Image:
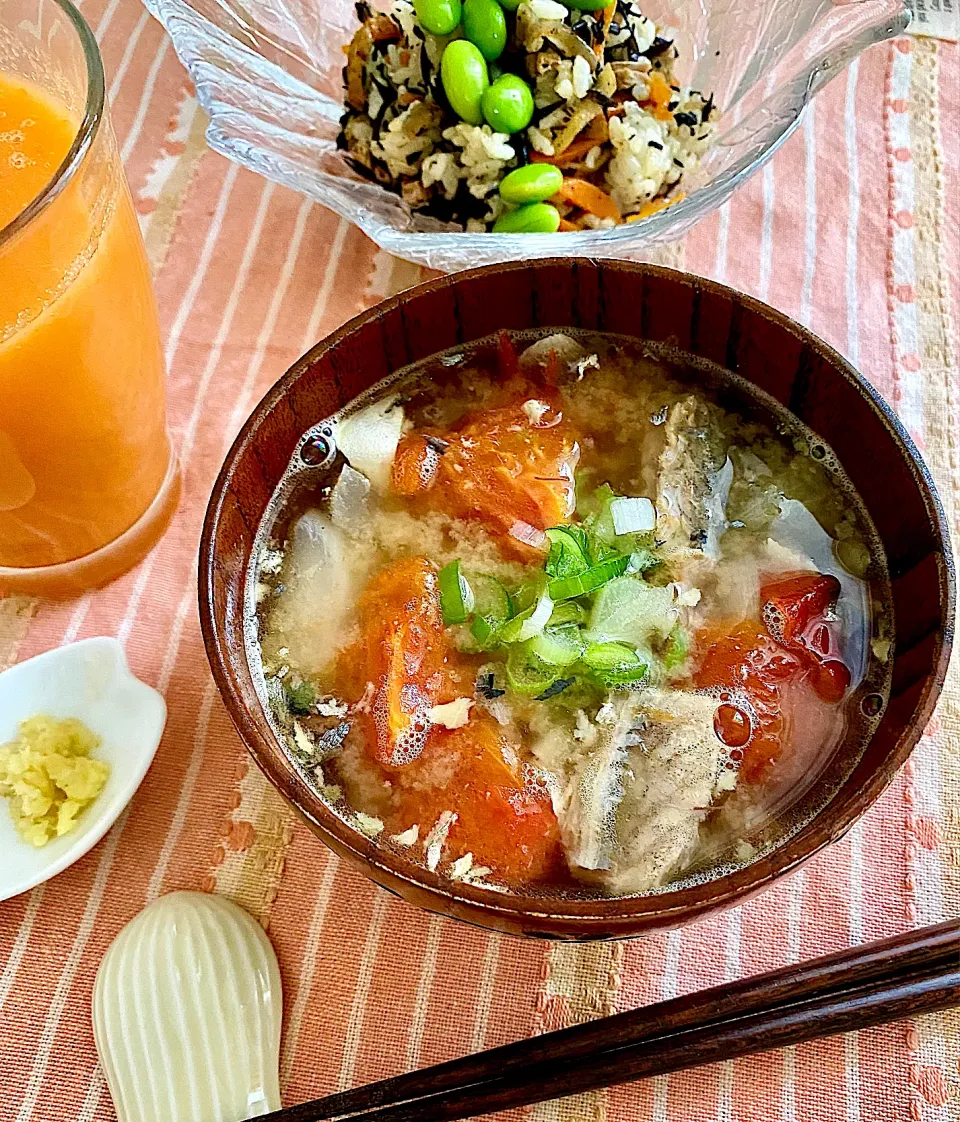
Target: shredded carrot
[(383, 28), (653, 207), (567, 227), (608, 13), (587, 196), (597, 130), (594, 135), (571, 155), (660, 96)]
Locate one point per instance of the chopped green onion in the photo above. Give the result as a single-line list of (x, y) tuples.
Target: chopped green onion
[(491, 599), (510, 632), (301, 697), (623, 675), (527, 673), (456, 596), (615, 664), (569, 551), (606, 656), (599, 524), (486, 632), (617, 524), (600, 552), (567, 587), (567, 611), (492, 607), (591, 502), (585, 692), (558, 646), (531, 621), (676, 649), (526, 596)]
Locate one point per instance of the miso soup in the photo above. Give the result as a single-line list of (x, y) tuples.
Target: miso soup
[(569, 614)]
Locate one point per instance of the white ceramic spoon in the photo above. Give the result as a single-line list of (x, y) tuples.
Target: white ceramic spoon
[(186, 1014)]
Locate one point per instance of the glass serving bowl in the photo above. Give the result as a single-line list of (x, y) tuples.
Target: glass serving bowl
[(268, 73)]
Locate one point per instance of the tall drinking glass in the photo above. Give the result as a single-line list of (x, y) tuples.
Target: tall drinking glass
[(88, 477)]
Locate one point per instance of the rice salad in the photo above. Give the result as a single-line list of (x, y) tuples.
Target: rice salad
[(542, 118)]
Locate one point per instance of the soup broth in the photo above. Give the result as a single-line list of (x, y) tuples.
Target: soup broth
[(569, 613)]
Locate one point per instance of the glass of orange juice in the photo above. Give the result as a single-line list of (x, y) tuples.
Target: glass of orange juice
[(88, 476)]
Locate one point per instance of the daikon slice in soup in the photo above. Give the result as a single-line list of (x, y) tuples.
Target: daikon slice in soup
[(570, 614)]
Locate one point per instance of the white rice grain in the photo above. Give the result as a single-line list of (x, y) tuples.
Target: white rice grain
[(582, 76), (539, 142), (548, 9)]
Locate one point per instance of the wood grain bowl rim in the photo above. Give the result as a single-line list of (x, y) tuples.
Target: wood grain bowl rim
[(592, 918)]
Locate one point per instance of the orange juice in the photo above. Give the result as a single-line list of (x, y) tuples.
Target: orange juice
[(84, 451)]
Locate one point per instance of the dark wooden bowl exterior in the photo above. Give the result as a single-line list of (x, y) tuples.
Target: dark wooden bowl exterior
[(652, 303)]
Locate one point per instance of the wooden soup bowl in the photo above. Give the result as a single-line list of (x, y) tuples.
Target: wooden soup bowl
[(649, 303)]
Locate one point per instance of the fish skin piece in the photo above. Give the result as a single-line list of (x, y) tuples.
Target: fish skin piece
[(693, 479), (634, 808), (594, 792)]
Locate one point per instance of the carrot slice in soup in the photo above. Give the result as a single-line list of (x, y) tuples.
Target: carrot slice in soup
[(791, 603), (401, 656), (415, 465), (746, 668), (748, 663), (509, 467), (504, 820)]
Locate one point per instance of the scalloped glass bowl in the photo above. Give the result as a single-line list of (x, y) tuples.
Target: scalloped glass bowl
[(268, 73)]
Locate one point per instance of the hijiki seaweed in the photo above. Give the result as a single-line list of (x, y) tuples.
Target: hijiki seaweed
[(607, 112)]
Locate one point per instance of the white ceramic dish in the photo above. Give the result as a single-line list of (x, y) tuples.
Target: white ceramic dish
[(91, 681)]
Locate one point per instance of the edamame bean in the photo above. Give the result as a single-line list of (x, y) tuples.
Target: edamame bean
[(463, 71), (510, 5), (439, 17), (485, 24), (586, 5), (535, 218), (531, 184), (508, 104)]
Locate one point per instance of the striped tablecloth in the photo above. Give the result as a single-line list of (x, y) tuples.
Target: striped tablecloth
[(853, 229)]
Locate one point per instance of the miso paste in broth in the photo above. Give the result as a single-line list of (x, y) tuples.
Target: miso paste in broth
[(570, 613)]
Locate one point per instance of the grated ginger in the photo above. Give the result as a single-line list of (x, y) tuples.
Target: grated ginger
[(49, 777)]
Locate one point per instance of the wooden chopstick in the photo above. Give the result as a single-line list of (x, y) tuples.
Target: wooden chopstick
[(874, 980), (857, 1008)]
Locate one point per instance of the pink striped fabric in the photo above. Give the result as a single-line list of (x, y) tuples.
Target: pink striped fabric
[(853, 229)]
